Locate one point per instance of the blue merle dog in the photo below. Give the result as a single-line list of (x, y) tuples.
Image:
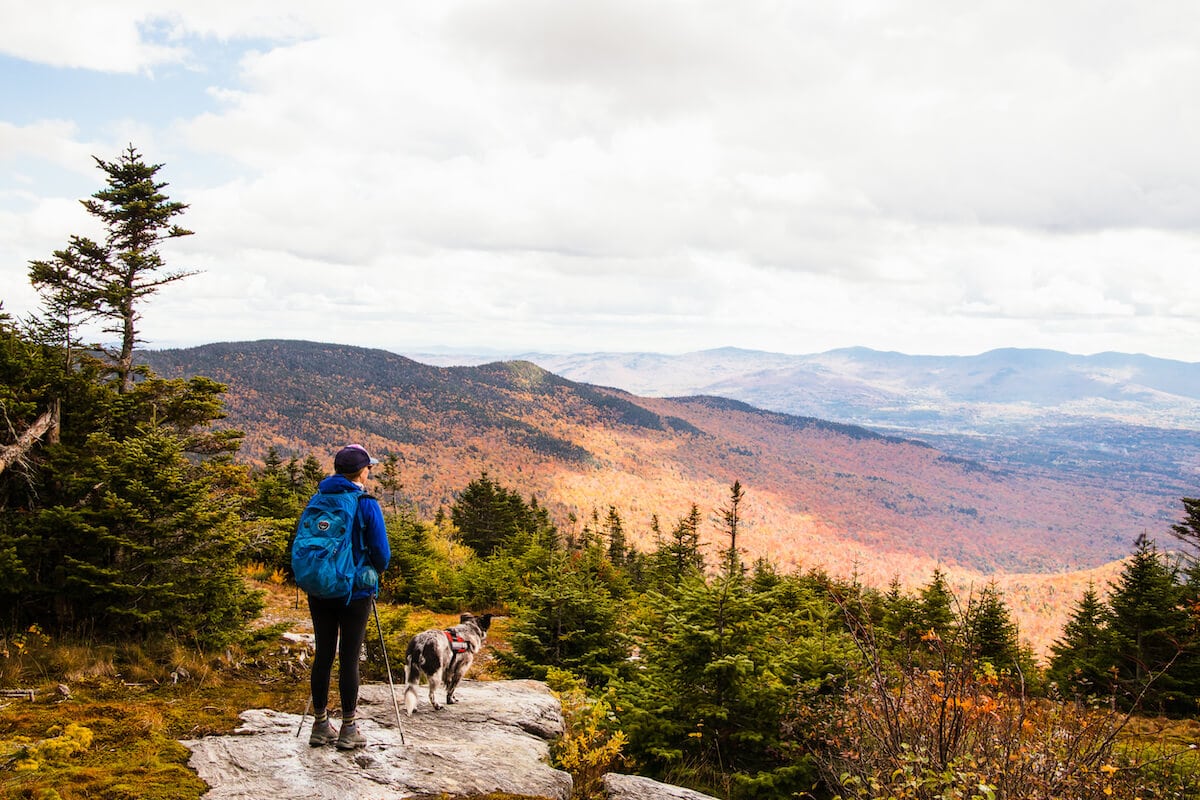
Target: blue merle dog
[(443, 657)]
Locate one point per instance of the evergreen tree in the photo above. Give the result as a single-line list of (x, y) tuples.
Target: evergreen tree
[(1150, 629), (269, 517), (935, 607), (719, 666), (122, 522), (294, 476), (901, 619), (145, 550), (1187, 531), (312, 473), (301, 477), (731, 519), (618, 551), (273, 463), (427, 568), (110, 279), (275, 496), (489, 516), (990, 631), (763, 575), (1080, 660), (679, 556), (590, 537), (389, 479), (570, 621)]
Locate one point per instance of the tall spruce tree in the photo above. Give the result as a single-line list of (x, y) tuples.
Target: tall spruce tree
[(990, 631), (731, 518), (679, 554), (489, 516), (121, 530), (1150, 630), (1081, 660), (936, 606), (1187, 530), (110, 279), (389, 480), (618, 550), (901, 618)]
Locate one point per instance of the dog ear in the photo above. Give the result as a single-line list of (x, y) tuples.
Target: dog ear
[(465, 616)]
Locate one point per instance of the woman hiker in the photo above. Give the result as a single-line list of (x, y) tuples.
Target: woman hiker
[(335, 618)]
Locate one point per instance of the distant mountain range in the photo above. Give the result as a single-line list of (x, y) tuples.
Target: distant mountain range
[(819, 493), (1122, 419)]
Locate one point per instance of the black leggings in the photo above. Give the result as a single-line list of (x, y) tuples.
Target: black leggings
[(331, 618)]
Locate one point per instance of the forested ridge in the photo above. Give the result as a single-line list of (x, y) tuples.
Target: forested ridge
[(136, 514)]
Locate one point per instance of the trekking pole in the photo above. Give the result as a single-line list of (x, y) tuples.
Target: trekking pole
[(307, 705), (383, 647)]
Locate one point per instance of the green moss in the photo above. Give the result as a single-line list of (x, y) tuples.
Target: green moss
[(114, 740), (105, 751)]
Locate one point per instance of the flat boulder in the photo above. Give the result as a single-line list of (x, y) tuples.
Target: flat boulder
[(634, 787), (494, 739)]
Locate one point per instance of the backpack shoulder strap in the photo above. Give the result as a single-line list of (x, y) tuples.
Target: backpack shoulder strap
[(359, 523)]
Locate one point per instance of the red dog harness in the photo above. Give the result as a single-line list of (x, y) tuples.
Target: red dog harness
[(458, 644)]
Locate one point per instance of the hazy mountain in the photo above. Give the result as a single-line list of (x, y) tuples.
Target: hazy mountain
[(893, 387), (1114, 417)]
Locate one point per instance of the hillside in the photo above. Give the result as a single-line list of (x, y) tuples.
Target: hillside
[(818, 493)]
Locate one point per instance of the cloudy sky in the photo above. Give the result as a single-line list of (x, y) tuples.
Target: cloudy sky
[(929, 176)]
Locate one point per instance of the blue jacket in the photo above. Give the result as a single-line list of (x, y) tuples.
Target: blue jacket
[(369, 528)]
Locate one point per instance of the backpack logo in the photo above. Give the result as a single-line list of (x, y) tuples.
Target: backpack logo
[(323, 553)]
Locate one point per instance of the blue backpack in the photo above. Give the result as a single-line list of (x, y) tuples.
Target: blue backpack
[(323, 553)]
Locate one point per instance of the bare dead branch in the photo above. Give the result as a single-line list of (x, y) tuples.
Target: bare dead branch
[(46, 423)]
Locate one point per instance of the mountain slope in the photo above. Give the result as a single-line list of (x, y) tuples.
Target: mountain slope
[(818, 492)]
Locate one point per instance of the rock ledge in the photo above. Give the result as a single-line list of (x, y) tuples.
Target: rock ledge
[(495, 739)]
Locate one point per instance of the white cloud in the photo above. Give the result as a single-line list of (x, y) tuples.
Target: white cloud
[(911, 175), (52, 140), (99, 36), (129, 36)]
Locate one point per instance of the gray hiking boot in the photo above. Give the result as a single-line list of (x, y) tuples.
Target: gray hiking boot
[(350, 738), (322, 734)]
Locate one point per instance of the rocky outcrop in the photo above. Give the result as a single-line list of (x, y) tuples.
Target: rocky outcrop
[(495, 739), (633, 787)]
